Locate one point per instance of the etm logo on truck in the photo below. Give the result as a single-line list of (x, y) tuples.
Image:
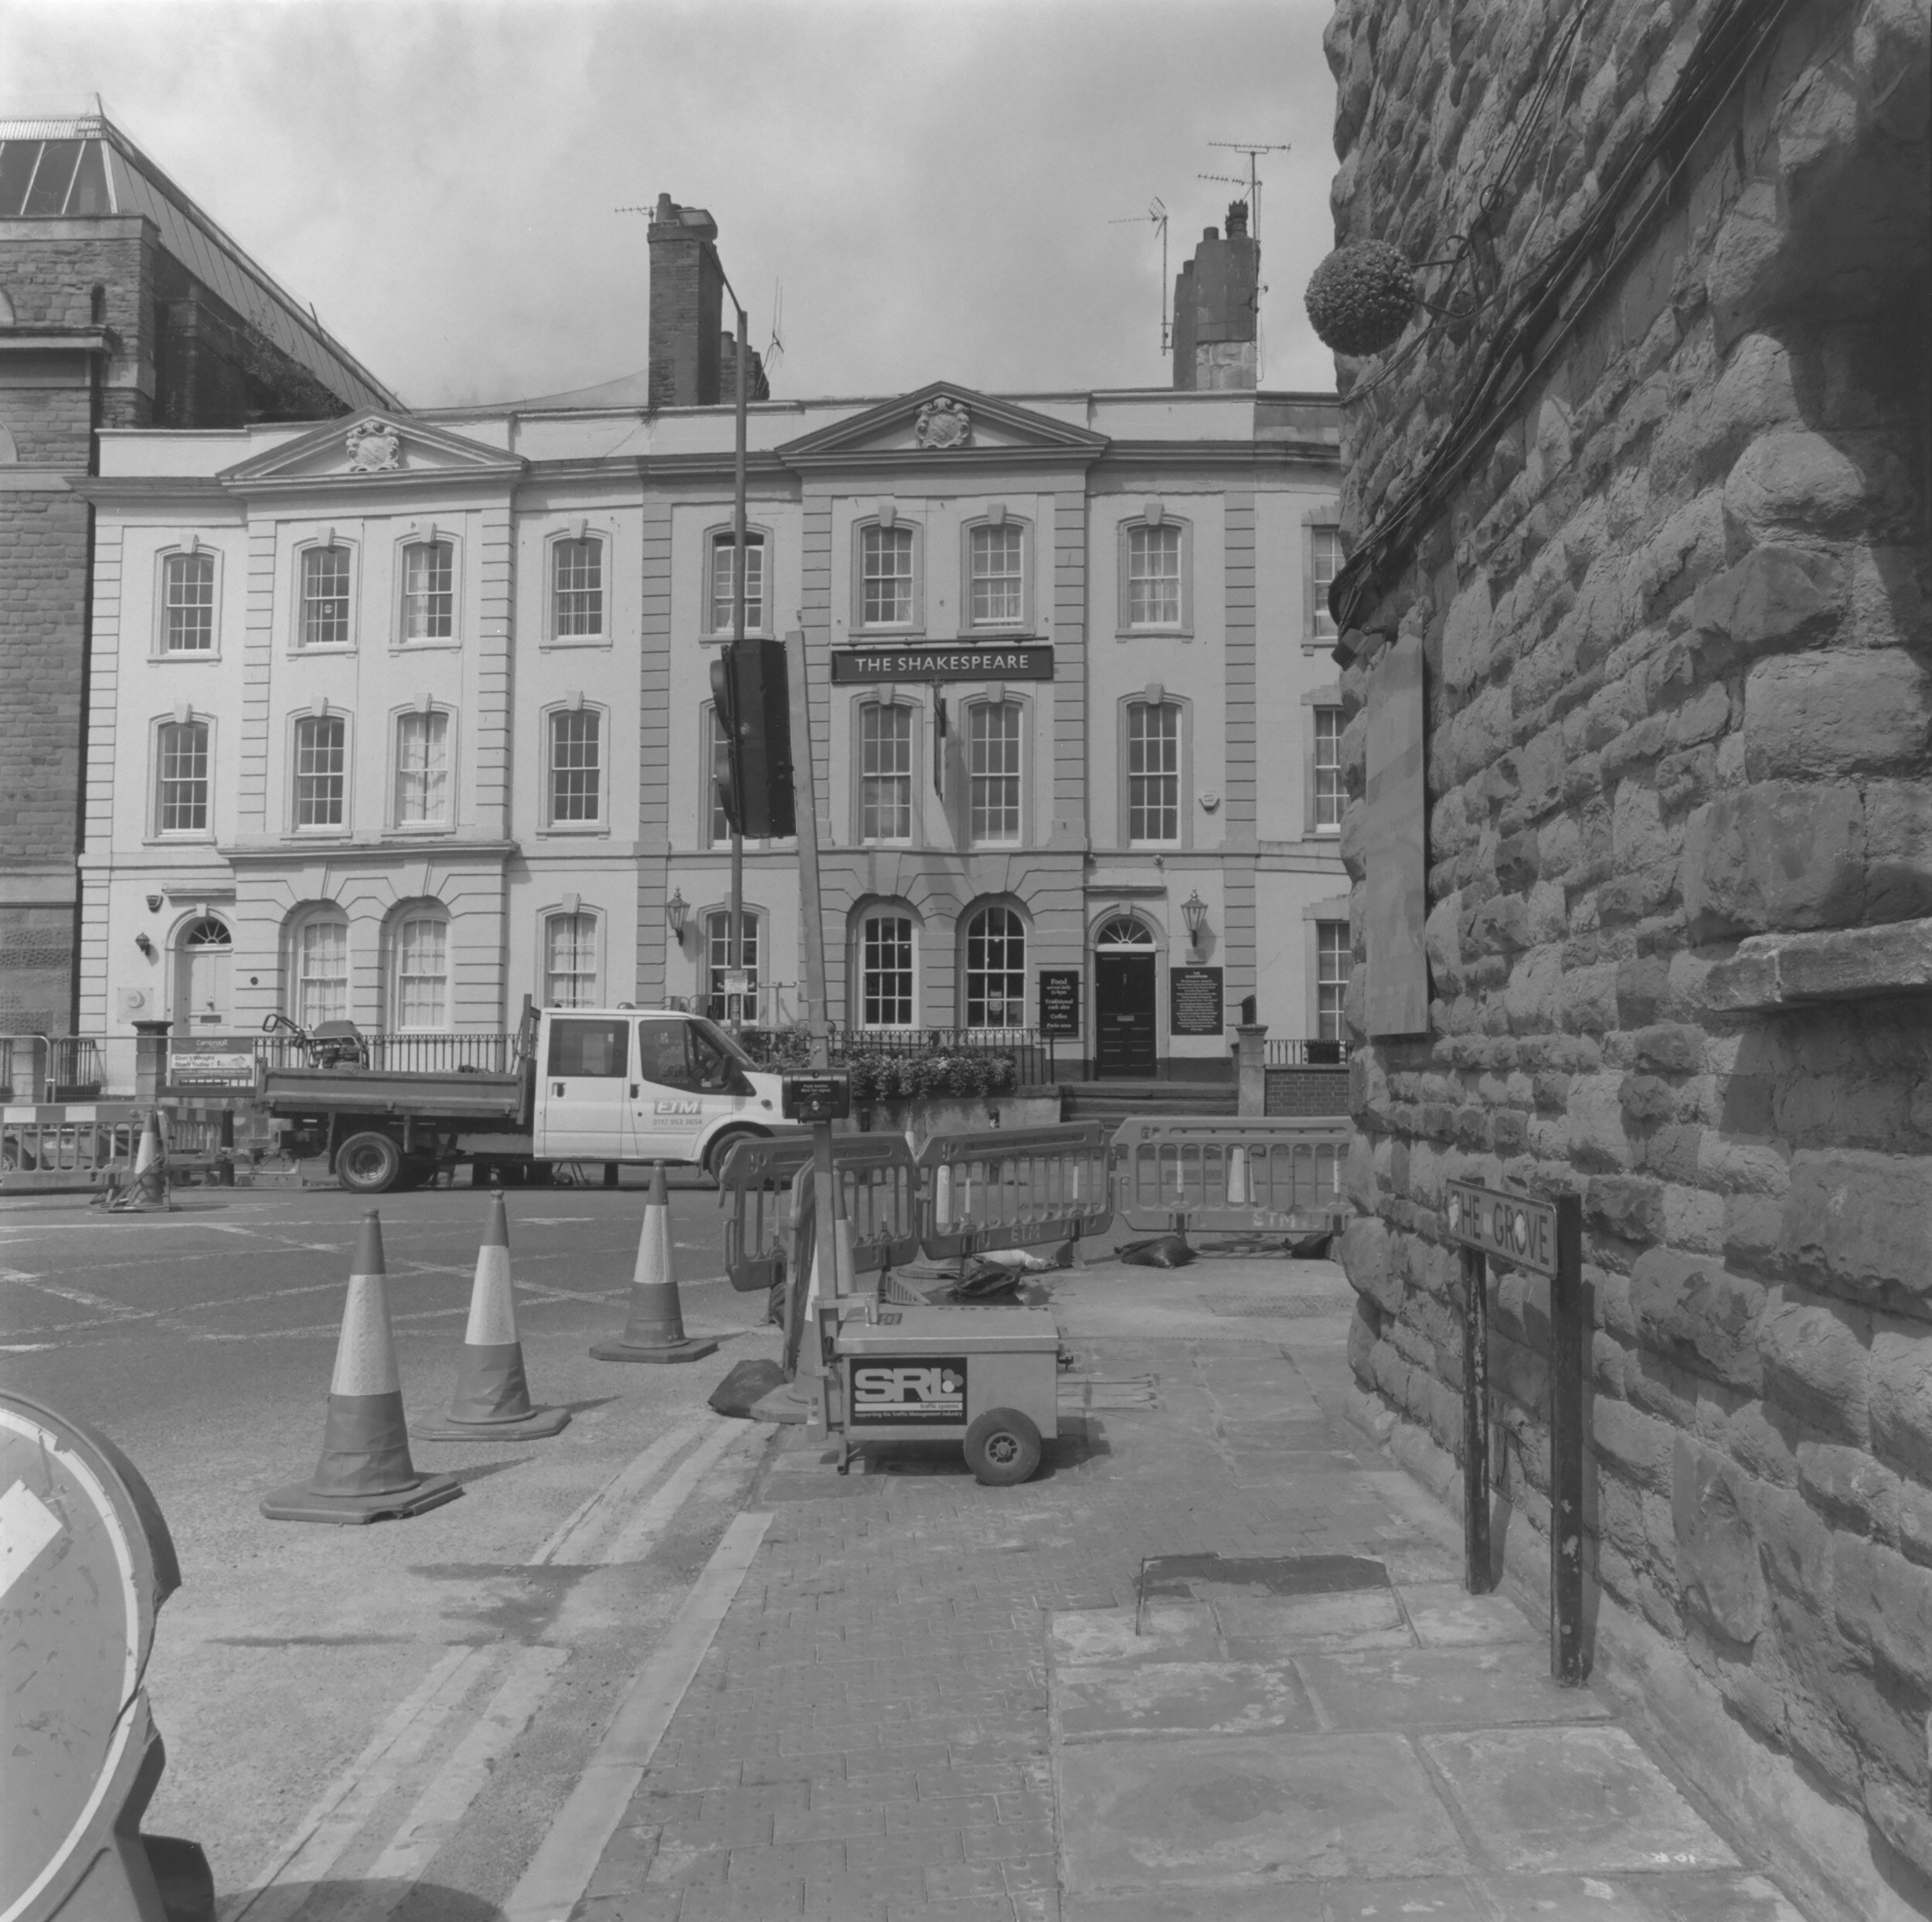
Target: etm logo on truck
[(899, 1389)]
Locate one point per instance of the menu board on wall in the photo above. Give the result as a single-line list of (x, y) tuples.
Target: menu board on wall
[(1060, 1003), (1196, 1001)]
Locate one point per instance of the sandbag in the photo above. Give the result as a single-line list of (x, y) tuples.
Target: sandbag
[(1158, 1251), (748, 1383), (1310, 1247), (985, 1282)]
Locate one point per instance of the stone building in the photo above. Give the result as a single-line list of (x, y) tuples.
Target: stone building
[(1640, 503), (444, 737), (121, 305)]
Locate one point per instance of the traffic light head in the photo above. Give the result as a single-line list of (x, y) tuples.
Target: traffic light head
[(753, 696)]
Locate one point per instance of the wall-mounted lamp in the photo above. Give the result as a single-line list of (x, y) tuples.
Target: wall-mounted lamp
[(675, 911), (145, 945), (1194, 911)]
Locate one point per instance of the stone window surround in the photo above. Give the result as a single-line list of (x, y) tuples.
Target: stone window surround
[(159, 649), (886, 694), (580, 527), (887, 515), (976, 907), (180, 713), (995, 514), (328, 537), (756, 533), (417, 535), (571, 703), (1335, 909), (1155, 514), (1328, 514), (1328, 696), (863, 911), (996, 694), (1155, 694), (570, 905), (425, 704), (419, 907), (323, 709), (757, 924)]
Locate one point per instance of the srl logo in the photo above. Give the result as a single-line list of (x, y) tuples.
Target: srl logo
[(902, 1389)]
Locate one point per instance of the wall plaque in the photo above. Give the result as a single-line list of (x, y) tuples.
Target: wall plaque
[(1195, 997)]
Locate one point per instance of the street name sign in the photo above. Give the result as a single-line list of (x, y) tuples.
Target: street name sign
[(1512, 1228)]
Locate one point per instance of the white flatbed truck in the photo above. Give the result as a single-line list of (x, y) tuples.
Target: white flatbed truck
[(614, 1085)]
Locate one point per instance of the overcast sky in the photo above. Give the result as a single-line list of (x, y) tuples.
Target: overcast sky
[(932, 185)]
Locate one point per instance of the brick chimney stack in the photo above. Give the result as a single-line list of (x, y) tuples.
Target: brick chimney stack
[(693, 356), (1217, 309)]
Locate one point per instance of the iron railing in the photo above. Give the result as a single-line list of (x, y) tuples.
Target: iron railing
[(484, 1052), (1305, 1054)]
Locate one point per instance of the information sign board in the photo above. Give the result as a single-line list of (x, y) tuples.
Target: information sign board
[(1060, 1003), (1512, 1228), (817, 1098), (1195, 996), (225, 1060)]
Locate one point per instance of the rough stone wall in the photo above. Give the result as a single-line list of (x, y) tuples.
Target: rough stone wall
[(1679, 749)]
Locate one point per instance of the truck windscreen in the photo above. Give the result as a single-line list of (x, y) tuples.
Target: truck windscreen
[(725, 1041)]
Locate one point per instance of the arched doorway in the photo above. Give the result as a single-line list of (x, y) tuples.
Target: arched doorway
[(1126, 964), (203, 957)]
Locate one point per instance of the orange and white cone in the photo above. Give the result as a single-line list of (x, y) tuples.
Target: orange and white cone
[(364, 1474), (147, 1186), (654, 1331), (492, 1398)]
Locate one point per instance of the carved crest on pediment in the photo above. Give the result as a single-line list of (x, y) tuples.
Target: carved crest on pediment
[(374, 447), (942, 424)]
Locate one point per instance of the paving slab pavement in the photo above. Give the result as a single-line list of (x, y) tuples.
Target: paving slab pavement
[(1215, 1660)]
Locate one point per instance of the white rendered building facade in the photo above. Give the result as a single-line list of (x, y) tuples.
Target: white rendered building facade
[(401, 719)]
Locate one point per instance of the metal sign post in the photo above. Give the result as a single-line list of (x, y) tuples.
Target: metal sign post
[(1548, 1239)]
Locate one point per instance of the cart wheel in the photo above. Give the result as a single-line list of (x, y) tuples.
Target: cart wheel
[(1002, 1447)]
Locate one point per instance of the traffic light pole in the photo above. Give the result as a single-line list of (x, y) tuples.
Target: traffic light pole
[(735, 952)]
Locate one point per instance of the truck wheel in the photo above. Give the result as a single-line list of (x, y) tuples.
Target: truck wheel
[(719, 1151), (1002, 1447), (368, 1163)]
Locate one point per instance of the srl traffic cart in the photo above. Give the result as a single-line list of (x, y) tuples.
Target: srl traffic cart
[(987, 1378)]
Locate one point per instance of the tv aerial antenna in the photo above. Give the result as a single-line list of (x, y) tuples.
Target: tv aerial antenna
[(1157, 212), (1253, 150), (775, 352)]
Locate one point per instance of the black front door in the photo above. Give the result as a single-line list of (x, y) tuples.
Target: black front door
[(1123, 1037)]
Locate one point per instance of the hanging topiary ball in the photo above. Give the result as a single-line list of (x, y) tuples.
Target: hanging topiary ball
[(1360, 297)]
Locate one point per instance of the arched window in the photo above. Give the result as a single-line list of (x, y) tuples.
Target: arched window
[(1123, 931), (886, 970), (571, 960), (887, 572), (321, 968), (996, 573), (423, 768), (995, 969), (419, 969), (1153, 773), (322, 770), (428, 590), (718, 610)]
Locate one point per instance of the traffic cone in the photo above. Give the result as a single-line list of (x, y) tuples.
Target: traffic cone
[(654, 1331), (492, 1398), (365, 1474), (147, 1187)]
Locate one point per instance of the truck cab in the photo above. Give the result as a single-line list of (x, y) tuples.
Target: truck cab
[(636, 1084)]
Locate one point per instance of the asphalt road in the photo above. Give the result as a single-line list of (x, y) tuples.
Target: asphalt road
[(370, 1721)]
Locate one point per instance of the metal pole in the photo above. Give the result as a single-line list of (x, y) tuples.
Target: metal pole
[(735, 950), (1476, 1422), (804, 788), (1567, 1446)]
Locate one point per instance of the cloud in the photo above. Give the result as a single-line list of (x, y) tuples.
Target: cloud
[(932, 184)]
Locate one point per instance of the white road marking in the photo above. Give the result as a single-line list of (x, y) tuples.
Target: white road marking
[(576, 1539), (440, 1807), (27, 1524), (561, 1870), (79, 1296), (632, 1542), (330, 1826)]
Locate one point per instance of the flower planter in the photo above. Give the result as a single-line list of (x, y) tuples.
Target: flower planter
[(919, 1120)]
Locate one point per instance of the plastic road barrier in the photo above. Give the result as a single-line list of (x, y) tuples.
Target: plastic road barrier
[(85, 1562), (1240, 1175), (765, 1187), (1007, 1188)]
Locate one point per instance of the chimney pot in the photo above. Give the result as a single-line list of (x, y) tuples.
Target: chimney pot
[(1210, 233), (1237, 219), (666, 211)]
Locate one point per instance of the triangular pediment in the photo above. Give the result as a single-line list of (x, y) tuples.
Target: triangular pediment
[(373, 449), (944, 421)]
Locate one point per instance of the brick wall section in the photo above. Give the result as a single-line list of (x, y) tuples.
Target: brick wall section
[(1678, 695), (1307, 1091)]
